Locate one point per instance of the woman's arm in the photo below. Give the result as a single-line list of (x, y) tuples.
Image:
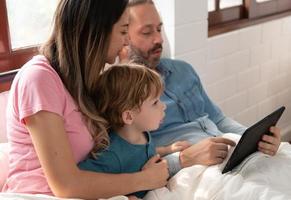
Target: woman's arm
[(66, 180)]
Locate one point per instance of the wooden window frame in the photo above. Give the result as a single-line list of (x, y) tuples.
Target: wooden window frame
[(219, 16), (250, 13), (10, 59)]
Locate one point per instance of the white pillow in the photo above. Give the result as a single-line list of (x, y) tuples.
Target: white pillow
[(4, 147)]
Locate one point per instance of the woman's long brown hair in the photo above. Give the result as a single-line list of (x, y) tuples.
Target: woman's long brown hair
[(77, 50)]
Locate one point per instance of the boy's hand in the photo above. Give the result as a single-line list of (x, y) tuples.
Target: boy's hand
[(179, 146), (172, 148)]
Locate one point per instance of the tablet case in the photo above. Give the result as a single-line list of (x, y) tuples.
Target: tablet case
[(248, 143)]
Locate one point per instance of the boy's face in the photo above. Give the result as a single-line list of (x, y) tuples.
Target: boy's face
[(150, 115)]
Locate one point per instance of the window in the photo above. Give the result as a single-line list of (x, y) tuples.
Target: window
[(229, 4), (211, 5), (260, 8), (226, 15), (23, 26), (225, 11), (25, 17), (259, 1)]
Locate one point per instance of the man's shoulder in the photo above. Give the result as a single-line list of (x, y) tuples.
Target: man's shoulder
[(173, 63), (176, 65)]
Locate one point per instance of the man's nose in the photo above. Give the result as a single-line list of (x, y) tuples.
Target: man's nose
[(158, 38)]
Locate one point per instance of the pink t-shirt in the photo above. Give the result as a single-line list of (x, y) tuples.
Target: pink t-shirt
[(38, 87)]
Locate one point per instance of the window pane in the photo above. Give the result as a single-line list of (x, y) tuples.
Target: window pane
[(259, 1), (29, 21), (230, 3), (211, 5)]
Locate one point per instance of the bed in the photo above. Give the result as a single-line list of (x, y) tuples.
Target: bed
[(258, 177)]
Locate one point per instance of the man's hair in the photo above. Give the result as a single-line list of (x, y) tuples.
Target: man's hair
[(77, 50), (138, 2), (125, 87)]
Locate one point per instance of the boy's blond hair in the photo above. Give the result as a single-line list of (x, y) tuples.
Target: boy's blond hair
[(125, 87)]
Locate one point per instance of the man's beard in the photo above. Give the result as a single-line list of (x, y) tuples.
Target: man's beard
[(143, 58)]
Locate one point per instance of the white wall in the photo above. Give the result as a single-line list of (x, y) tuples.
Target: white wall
[(246, 72)]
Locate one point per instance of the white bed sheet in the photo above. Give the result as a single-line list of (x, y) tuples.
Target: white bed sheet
[(259, 177)]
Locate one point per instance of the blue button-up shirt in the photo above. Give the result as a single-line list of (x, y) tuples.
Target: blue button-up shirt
[(190, 114)]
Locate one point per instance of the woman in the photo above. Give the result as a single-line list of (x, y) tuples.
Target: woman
[(52, 120)]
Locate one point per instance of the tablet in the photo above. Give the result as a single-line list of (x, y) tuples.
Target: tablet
[(248, 143)]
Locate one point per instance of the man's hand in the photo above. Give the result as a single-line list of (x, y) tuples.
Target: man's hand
[(209, 151), (270, 143)]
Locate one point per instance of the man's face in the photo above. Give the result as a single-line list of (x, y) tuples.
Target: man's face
[(144, 32)]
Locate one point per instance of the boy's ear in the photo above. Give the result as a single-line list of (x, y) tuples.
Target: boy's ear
[(127, 117)]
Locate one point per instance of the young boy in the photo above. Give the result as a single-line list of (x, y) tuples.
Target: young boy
[(129, 100)]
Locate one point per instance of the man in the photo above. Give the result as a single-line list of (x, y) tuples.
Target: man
[(190, 114)]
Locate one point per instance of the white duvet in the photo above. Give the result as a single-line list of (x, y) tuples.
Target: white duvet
[(259, 177)]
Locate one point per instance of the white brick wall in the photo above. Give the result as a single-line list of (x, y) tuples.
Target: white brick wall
[(246, 72)]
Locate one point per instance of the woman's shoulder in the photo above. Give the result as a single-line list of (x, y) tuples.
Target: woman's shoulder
[(37, 78), (38, 66), (36, 71)]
